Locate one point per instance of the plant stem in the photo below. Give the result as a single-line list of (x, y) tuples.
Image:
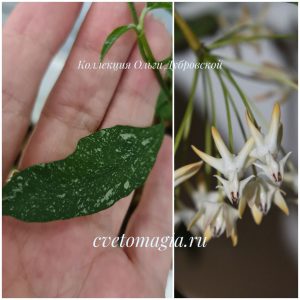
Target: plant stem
[(275, 75), (213, 106), (136, 22), (188, 112), (152, 60), (166, 61), (241, 93), (208, 145), (133, 13), (237, 116), (230, 131), (144, 47), (246, 39), (231, 32), (188, 34)]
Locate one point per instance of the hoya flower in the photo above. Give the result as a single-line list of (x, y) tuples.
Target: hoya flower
[(272, 169), (184, 215), (214, 216), (267, 147), (186, 172), (271, 141), (234, 188), (230, 165), (260, 195)]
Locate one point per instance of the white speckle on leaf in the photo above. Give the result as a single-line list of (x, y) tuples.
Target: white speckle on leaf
[(110, 202), (146, 141), (126, 136), (61, 195), (16, 190), (107, 195), (126, 185)]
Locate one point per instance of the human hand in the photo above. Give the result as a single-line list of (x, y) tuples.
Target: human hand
[(57, 259)]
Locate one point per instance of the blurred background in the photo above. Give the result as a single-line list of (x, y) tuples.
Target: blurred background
[(265, 261)]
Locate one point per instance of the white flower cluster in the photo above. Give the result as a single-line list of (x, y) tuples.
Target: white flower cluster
[(259, 191)]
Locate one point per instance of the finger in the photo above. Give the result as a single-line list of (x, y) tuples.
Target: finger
[(31, 36), (136, 96), (135, 99), (153, 217), (80, 97)]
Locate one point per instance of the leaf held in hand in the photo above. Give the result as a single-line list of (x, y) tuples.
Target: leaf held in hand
[(105, 167), (113, 36)]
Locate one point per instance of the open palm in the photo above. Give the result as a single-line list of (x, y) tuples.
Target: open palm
[(57, 259)]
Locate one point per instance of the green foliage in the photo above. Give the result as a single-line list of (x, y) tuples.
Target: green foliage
[(105, 167), (113, 36), (144, 47), (163, 109)]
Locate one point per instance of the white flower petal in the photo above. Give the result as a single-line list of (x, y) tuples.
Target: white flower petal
[(272, 136), (282, 163), (244, 153), (234, 238), (218, 226), (251, 191), (225, 186), (230, 215), (260, 166), (257, 136), (244, 182), (242, 206), (200, 197), (280, 202), (216, 163), (269, 171), (208, 234), (195, 218), (197, 229), (257, 214), (223, 150), (264, 197), (184, 216), (211, 212), (186, 172), (250, 160)]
